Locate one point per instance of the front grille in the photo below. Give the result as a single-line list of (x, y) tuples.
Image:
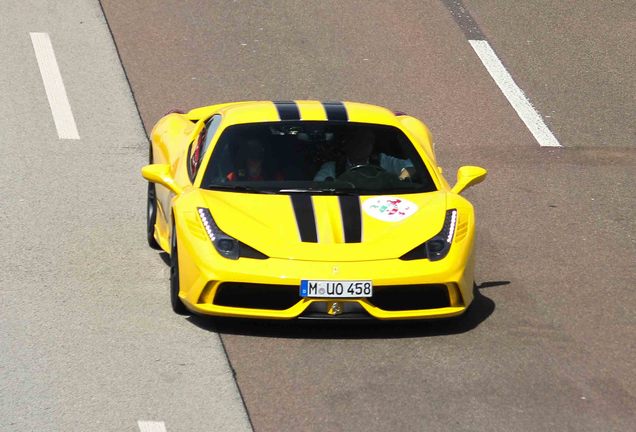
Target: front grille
[(257, 296), (410, 297)]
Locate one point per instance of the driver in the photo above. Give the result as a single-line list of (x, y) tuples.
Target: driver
[(358, 153)]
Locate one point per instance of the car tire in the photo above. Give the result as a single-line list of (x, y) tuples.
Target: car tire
[(176, 303), (151, 216)]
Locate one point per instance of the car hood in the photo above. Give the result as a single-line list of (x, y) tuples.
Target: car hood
[(328, 228)]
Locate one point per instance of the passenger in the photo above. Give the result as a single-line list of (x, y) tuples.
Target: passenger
[(250, 163)]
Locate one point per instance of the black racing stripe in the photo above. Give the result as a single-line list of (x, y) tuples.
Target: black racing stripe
[(351, 218), (287, 110), (336, 111), (304, 211)]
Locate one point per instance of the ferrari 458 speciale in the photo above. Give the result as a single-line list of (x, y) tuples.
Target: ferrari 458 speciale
[(308, 209)]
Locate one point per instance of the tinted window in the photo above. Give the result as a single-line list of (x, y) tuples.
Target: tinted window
[(201, 145), (322, 157)]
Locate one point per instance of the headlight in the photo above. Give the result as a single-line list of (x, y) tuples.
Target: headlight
[(437, 247), (225, 245)]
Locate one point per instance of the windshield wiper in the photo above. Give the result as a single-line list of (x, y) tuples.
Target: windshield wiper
[(326, 191), (238, 188)]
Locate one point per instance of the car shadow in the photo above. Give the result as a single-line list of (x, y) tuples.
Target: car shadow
[(481, 308)]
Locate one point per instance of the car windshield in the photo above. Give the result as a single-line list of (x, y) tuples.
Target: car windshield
[(316, 157)]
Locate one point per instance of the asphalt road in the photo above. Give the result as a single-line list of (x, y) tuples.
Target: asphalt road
[(550, 344), (86, 343)]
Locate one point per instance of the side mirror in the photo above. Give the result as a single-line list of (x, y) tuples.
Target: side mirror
[(468, 176), (160, 173)]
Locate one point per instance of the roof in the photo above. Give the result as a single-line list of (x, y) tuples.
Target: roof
[(305, 110)]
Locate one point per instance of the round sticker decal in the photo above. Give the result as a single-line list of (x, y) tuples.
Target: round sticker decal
[(389, 209)]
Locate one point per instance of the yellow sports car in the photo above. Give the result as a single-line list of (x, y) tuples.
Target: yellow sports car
[(308, 209)]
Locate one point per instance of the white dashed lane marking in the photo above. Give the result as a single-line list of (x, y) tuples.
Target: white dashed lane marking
[(526, 112), (514, 94), (54, 86), (151, 426)]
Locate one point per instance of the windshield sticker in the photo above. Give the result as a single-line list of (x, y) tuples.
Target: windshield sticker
[(389, 209)]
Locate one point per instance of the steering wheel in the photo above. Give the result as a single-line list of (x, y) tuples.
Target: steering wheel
[(358, 175), (374, 169)]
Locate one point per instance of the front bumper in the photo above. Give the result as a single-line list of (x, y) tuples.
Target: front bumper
[(269, 288)]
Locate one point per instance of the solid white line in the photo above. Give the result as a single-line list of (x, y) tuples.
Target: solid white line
[(54, 86), (514, 94), (151, 426)]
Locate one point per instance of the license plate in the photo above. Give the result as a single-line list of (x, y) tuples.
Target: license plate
[(336, 289)]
